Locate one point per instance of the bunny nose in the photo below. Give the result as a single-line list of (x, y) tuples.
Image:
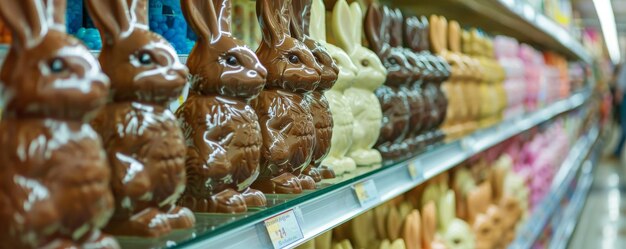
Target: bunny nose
[(261, 71)]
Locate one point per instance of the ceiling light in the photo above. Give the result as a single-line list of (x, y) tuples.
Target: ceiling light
[(607, 22)]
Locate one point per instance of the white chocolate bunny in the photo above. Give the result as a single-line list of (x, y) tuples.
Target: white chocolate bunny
[(346, 29), (455, 232), (339, 104)]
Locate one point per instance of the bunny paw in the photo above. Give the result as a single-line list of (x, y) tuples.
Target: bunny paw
[(287, 184), (149, 222), (307, 182), (254, 198), (180, 218)]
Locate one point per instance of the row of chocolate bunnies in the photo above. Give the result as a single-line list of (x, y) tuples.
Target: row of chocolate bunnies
[(297, 111)]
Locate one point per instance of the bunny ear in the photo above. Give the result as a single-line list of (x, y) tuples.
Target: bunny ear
[(454, 30), (375, 30), (344, 26), (26, 19), (55, 13), (317, 27), (357, 15), (201, 16), (138, 10), (301, 16), (274, 20), (296, 13), (223, 8), (396, 27), (424, 33), (111, 17), (411, 33)]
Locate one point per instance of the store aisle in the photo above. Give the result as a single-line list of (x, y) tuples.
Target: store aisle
[(602, 223)]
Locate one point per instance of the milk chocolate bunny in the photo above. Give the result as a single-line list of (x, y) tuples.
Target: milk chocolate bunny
[(222, 130), (415, 98), (143, 141), (345, 31), (286, 123), (54, 178), (339, 105), (392, 95), (322, 119), (435, 71)]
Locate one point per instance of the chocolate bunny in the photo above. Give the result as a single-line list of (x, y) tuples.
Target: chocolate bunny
[(392, 95), (286, 122), (322, 117), (346, 27), (436, 71), (221, 128), (54, 179), (143, 141), (342, 118), (416, 99)]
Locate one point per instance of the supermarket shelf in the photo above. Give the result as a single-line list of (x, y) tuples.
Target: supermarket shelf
[(570, 217), (544, 211), (324, 209), (509, 17), (568, 224)]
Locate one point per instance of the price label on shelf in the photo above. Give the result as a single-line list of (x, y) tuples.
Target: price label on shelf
[(366, 192), (469, 144), (283, 229), (415, 169)]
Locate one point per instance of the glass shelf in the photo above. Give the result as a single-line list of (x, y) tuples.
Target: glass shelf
[(321, 210)]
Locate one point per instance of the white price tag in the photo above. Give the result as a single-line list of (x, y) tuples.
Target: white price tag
[(415, 169), (283, 229), (469, 144), (366, 192)]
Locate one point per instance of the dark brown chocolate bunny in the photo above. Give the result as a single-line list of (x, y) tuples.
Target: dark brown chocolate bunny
[(322, 118), (284, 114), (416, 37), (141, 136), (222, 130), (54, 177), (392, 95), (418, 106)]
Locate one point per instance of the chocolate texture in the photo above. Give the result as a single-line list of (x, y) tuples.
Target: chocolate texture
[(54, 177)]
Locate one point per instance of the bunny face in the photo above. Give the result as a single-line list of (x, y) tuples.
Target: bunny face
[(323, 58), (290, 64), (230, 71), (53, 76), (220, 63), (371, 72), (143, 67), (397, 65)]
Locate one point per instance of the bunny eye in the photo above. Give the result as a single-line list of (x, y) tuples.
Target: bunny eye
[(57, 65), (145, 58), (232, 60), (365, 63), (294, 59), (393, 61)]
